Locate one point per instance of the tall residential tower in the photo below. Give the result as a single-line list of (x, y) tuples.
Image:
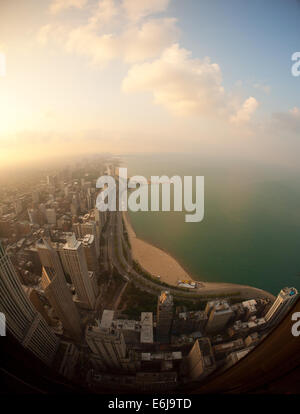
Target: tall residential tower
[(75, 265), (164, 317), (22, 319), (282, 304)]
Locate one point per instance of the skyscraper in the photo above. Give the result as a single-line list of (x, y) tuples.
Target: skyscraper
[(98, 218), (51, 216), (74, 264), (164, 317), (283, 302), (89, 227), (35, 196), (56, 289), (146, 328), (51, 180), (89, 246), (35, 299), (60, 299), (200, 361), (108, 343), (49, 257), (219, 313), (22, 320)]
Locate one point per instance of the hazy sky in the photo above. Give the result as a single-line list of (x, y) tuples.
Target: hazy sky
[(207, 76)]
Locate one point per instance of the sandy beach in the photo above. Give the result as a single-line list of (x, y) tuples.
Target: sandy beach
[(154, 260), (160, 263)]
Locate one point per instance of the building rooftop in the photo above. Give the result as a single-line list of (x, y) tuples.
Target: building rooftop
[(146, 334), (166, 298), (87, 240), (147, 318), (107, 318), (164, 356), (288, 292), (146, 328), (72, 243), (126, 324)]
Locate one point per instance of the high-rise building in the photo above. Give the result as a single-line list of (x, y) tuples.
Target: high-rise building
[(282, 304), (35, 298), (35, 196), (5, 227), (60, 298), (164, 317), (89, 227), (19, 205), (51, 216), (49, 257), (90, 201), (200, 361), (219, 313), (51, 180), (74, 264), (56, 289), (146, 328), (236, 356), (108, 343), (74, 206), (35, 216), (195, 362), (189, 322), (220, 350), (98, 218), (69, 356), (22, 320), (89, 246), (32, 216)]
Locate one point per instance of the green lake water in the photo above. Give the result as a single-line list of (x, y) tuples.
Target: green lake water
[(251, 228)]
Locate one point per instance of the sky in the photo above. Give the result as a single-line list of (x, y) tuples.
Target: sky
[(194, 76)]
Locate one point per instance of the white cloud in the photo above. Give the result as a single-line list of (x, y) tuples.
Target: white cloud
[(109, 32), (245, 113), (179, 83), (137, 9), (123, 30), (58, 5), (100, 49), (134, 9), (263, 87), (187, 86), (149, 40), (105, 13), (132, 44)]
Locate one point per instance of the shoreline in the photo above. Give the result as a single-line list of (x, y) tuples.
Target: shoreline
[(129, 227), (140, 252), (157, 261)]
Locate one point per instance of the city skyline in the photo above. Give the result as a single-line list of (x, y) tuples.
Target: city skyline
[(149, 198), (75, 292)]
